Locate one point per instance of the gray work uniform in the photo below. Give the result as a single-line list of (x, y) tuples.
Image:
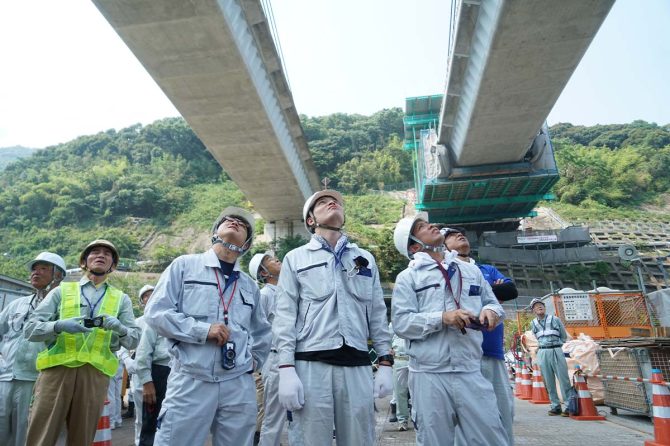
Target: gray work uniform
[(17, 370), (551, 335), (201, 395), (275, 414), (323, 302), (445, 380), (135, 385), (400, 376)]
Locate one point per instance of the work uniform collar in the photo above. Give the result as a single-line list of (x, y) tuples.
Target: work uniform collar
[(212, 260), (270, 286), (317, 242), (423, 260), (84, 280)]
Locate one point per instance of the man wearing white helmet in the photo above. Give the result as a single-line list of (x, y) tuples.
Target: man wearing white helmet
[(550, 334), (265, 268), (440, 307), (84, 322), (130, 362), (17, 354), (152, 368), (329, 304), (210, 312)]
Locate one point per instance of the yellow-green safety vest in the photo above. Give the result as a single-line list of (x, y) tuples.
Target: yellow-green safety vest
[(74, 350)]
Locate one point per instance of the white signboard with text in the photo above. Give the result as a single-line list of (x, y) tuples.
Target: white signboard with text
[(577, 307)]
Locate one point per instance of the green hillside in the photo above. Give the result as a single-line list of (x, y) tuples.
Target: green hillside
[(11, 154), (139, 183)]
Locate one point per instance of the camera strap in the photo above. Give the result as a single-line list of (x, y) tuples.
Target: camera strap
[(447, 277), (231, 279), (90, 306)]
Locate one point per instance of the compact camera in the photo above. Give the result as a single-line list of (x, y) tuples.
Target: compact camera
[(95, 322), (228, 355), (476, 325)]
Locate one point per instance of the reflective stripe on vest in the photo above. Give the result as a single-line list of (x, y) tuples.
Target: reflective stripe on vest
[(73, 350), (547, 331)]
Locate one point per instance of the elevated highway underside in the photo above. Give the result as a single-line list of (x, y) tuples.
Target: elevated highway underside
[(510, 61), (217, 63)]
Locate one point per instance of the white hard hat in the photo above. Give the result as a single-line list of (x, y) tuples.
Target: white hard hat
[(144, 289), (48, 257), (96, 243), (240, 213), (535, 301), (309, 204), (403, 230), (255, 263)]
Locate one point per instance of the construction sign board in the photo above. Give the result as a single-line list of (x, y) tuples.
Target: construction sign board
[(577, 307)]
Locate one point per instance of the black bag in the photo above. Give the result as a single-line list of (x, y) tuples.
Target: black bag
[(573, 402)]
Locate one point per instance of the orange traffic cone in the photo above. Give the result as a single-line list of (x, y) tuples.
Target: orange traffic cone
[(661, 407), (540, 395), (517, 379), (526, 384), (103, 434), (587, 410)]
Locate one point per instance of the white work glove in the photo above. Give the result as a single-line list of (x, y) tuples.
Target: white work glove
[(383, 384), (72, 325), (113, 324), (291, 393)]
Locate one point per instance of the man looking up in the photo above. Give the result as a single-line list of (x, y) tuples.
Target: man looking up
[(551, 335), (493, 359), (17, 354), (440, 306), (265, 268), (209, 311), (329, 304), (84, 322)]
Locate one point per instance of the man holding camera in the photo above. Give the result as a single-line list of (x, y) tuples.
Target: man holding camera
[(17, 355), (84, 323), (441, 307), (218, 334)]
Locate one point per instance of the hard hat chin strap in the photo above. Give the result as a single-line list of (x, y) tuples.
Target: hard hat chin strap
[(216, 239), (424, 247), (324, 226)]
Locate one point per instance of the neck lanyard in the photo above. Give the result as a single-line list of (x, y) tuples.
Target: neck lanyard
[(231, 279), (445, 273), (92, 307)]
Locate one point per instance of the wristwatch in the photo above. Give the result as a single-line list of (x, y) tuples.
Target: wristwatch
[(387, 358)]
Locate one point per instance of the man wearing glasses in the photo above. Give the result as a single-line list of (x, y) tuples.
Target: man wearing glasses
[(17, 354), (209, 310)]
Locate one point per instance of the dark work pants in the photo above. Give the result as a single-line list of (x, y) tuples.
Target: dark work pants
[(159, 375)]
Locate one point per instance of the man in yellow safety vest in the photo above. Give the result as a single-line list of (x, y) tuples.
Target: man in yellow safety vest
[(83, 323)]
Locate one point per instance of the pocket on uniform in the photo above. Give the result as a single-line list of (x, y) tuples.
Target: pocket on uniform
[(360, 286), (316, 282), (195, 302)]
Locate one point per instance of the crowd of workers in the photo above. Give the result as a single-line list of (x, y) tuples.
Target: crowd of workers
[(215, 355)]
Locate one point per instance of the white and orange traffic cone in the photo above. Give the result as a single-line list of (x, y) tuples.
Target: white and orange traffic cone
[(661, 408), (103, 434), (539, 395), (526, 384), (587, 410), (517, 379)]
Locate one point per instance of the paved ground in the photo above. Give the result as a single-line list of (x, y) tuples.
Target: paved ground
[(532, 426)]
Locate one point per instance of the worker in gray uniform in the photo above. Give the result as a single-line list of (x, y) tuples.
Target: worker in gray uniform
[(210, 312), (551, 335), (17, 355), (265, 268), (440, 306), (329, 304)]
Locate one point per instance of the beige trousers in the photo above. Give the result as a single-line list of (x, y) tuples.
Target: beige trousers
[(71, 396)]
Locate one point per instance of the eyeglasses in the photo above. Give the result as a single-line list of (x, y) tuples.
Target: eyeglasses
[(237, 221)]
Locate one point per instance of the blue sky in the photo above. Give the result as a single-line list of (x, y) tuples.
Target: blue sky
[(66, 73)]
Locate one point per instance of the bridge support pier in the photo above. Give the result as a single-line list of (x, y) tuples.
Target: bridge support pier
[(287, 228)]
